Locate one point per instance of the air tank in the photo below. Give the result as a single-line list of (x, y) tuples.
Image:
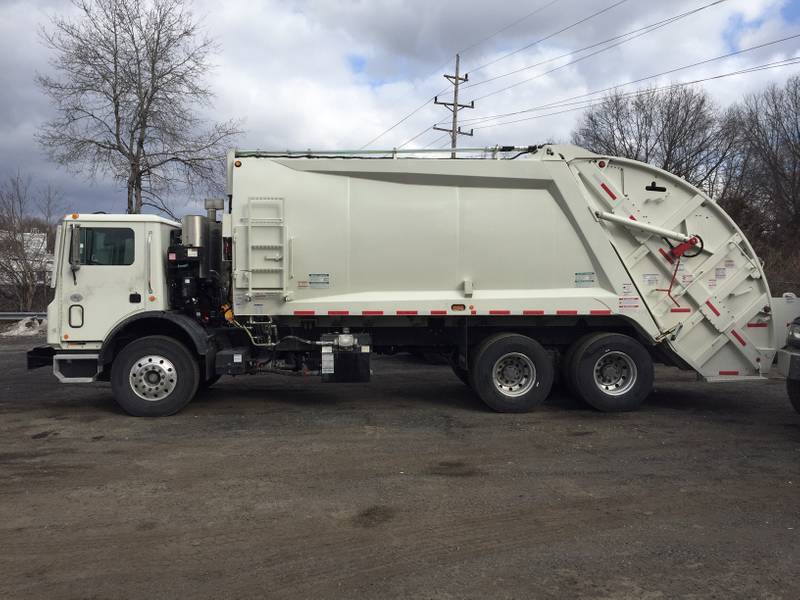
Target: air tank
[(194, 231)]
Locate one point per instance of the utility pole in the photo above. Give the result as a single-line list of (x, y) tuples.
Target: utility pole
[(453, 107)]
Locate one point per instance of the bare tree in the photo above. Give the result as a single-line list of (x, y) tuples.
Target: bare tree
[(770, 124), (129, 88), (769, 180), (678, 129), (23, 243)]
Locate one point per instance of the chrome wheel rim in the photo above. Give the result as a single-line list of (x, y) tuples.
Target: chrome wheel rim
[(513, 374), (153, 377), (615, 373)]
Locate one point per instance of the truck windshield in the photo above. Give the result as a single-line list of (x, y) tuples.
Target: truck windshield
[(106, 246)]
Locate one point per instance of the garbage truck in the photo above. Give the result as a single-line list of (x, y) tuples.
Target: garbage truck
[(522, 266)]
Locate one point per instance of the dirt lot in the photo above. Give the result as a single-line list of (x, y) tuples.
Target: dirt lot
[(406, 487)]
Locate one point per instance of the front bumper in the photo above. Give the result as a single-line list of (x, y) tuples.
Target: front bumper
[(41, 356), (789, 362)]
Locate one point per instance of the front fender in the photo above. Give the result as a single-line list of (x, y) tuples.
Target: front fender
[(148, 322)]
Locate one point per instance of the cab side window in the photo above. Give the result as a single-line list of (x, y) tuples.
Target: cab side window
[(106, 246)]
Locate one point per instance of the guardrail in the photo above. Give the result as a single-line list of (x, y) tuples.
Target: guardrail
[(19, 316)]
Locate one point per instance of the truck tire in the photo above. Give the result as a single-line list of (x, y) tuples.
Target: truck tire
[(511, 373), (154, 376), (793, 389), (612, 372)]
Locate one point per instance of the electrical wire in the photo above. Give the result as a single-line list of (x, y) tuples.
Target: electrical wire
[(465, 50), (631, 36), (590, 103), (549, 36), (631, 82)]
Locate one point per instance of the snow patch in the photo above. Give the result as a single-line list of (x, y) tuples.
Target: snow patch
[(26, 327)]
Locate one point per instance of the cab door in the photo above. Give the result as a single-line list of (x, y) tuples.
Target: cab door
[(103, 279)]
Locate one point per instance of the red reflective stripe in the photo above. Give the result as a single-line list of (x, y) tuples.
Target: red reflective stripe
[(738, 337), (608, 191), (665, 255), (729, 372), (474, 312), (499, 312), (532, 312), (438, 312), (758, 325), (304, 313), (566, 312), (406, 312), (605, 311), (712, 307), (372, 313), (338, 312), (680, 310)]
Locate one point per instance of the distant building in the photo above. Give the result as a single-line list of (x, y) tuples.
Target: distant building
[(28, 248)]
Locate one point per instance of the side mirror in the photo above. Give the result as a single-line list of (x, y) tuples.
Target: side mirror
[(75, 250)]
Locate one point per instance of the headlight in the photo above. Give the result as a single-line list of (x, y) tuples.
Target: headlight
[(794, 334)]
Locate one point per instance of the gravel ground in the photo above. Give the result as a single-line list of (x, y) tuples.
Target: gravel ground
[(405, 487)]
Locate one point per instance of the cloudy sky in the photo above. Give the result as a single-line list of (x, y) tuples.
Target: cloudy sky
[(336, 73)]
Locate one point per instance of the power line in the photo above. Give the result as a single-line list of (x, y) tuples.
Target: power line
[(639, 80), (468, 48), (547, 37), (590, 103), (509, 26), (633, 35), (630, 35)]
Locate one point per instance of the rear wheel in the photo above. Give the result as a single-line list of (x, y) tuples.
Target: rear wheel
[(612, 372), (511, 373), (154, 376), (793, 389)]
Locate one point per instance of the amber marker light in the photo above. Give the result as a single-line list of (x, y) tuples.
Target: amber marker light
[(238, 163), (74, 215)]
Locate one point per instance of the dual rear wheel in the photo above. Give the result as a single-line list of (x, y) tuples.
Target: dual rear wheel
[(514, 373)]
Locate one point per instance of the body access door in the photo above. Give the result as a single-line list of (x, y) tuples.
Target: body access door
[(103, 277)]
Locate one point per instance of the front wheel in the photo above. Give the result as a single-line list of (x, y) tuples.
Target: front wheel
[(511, 373), (154, 376), (793, 389)]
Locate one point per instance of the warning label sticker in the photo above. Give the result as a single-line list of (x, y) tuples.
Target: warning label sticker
[(628, 289), (720, 273), (319, 280), (629, 303), (651, 279), (586, 279), (730, 263)]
